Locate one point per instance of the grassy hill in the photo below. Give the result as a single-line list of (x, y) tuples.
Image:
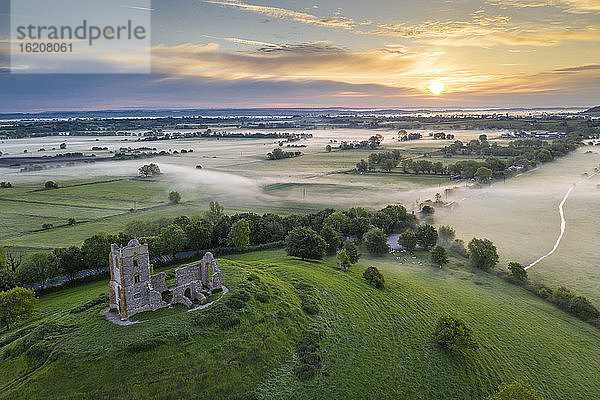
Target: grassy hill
[(375, 343)]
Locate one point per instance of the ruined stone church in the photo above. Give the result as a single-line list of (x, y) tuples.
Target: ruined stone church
[(133, 289)]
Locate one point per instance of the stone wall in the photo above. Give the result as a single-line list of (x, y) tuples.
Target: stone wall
[(208, 260), (158, 282), (185, 275), (137, 297), (195, 293), (216, 280), (156, 300)]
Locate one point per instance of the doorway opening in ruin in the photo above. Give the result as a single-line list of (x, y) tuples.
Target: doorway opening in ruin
[(167, 296)]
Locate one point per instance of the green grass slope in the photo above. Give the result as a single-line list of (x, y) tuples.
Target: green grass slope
[(376, 344)]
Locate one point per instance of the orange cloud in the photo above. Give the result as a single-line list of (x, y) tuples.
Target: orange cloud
[(311, 61)]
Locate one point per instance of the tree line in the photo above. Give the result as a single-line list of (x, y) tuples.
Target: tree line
[(523, 153), (307, 236), (209, 230), (278, 154)]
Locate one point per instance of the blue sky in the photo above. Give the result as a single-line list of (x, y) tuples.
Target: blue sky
[(381, 53)]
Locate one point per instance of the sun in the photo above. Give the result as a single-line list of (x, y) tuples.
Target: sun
[(436, 88)]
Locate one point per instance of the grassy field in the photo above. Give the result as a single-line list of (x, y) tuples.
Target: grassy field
[(26, 207), (377, 343)]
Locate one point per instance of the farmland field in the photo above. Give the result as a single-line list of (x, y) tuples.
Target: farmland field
[(519, 215), (100, 195)]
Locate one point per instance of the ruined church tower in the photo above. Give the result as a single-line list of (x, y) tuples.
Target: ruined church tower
[(129, 287)]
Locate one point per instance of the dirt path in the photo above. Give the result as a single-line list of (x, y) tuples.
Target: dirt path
[(563, 221)]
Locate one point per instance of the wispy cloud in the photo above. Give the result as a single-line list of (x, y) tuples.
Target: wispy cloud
[(527, 36), (241, 41), (571, 6), (302, 48), (136, 8), (591, 67), (282, 13), (479, 23), (482, 28)]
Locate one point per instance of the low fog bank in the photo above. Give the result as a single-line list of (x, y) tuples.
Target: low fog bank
[(522, 217)]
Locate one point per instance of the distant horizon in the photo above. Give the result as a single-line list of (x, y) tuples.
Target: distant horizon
[(349, 108)]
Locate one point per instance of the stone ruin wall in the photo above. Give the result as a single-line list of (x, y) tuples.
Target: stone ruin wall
[(158, 282), (186, 275), (146, 295)]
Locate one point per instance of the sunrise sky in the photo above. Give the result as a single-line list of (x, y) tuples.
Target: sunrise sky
[(377, 53)]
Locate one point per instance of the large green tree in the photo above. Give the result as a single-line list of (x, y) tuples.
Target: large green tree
[(377, 242), (393, 218), (483, 174), (482, 253), (220, 231), (455, 334), (71, 260), (358, 212), (239, 234), (149, 170), (518, 271), (121, 238), (359, 226), (182, 221), (332, 237), (38, 267), (198, 236), (374, 277), (426, 236), (303, 242), (16, 304), (338, 221), (352, 251), (215, 213), (439, 256), (172, 239), (96, 250), (407, 240), (7, 279), (343, 259), (446, 234)]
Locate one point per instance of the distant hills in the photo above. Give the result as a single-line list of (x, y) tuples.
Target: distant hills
[(592, 110)]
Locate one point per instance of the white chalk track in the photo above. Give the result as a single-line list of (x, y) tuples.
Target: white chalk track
[(563, 221)]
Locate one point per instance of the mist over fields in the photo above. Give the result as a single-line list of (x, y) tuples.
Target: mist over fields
[(520, 215)]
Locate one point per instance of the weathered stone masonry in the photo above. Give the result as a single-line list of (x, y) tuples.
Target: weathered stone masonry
[(132, 289)]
